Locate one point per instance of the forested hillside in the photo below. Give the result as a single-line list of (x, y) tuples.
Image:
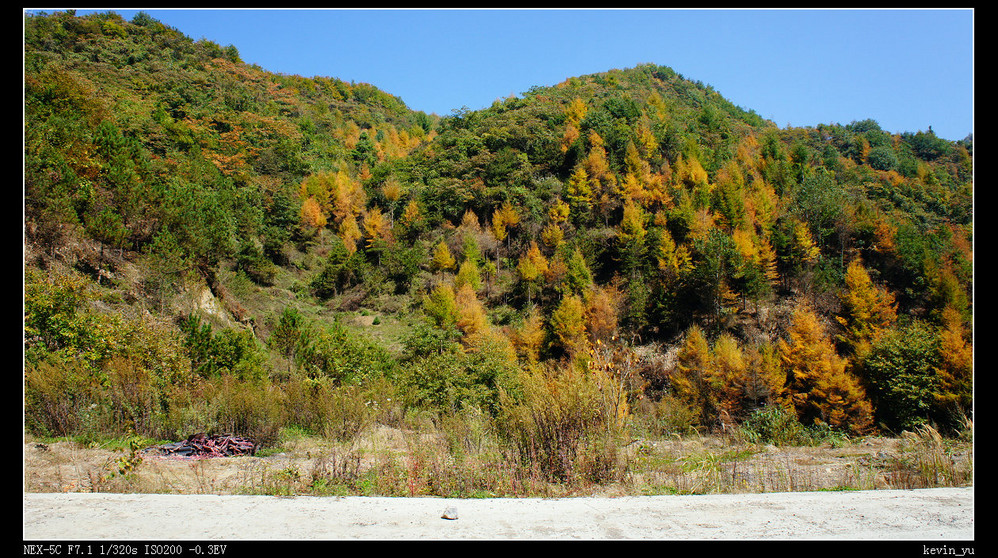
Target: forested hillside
[(213, 247)]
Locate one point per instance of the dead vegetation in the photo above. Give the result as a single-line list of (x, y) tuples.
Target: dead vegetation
[(409, 462)]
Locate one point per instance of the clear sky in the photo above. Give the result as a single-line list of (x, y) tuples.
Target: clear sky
[(906, 69)]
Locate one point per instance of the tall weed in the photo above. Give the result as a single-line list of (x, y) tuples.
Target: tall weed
[(560, 427)]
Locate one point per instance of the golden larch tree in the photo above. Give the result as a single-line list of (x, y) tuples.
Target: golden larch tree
[(867, 310), (443, 260), (955, 391), (691, 377), (471, 318), (568, 323), (821, 388), (529, 337)]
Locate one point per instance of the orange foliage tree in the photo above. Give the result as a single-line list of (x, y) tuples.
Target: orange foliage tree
[(821, 388)]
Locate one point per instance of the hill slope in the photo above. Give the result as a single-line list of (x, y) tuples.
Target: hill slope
[(191, 219)]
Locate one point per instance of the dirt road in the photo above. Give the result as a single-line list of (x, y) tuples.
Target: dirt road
[(939, 514)]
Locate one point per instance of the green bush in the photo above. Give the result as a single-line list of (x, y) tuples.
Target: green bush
[(901, 375), (775, 425), (228, 351)]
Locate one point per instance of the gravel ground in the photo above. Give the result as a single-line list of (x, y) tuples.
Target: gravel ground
[(939, 514)]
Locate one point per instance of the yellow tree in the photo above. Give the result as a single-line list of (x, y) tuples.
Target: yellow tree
[(803, 250), (471, 319), (821, 389), (765, 379), (530, 335), (348, 197), (568, 323), (553, 236), (318, 188), (393, 192), (767, 259), (559, 212), (603, 306), (312, 215), (442, 258), (689, 172), (532, 267), (691, 377), (503, 219), (412, 216), (350, 233), (596, 164), (956, 365), (729, 377), (632, 224), (579, 192), (867, 310), (376, 227), (468, 274), (673, 260), (574, 113)]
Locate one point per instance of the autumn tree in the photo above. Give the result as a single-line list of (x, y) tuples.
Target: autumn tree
[(349, 232), (674, 260), (532, 267), (376, 227), (867, 310), (765, 380), (691, 377), (603, 308), (468, 274), (440, 306), (729, 377), (393, 191), (955, 369), (529, 337), (568, 323), (411, 222), (471, 318), (443, 260), (553, 236), (821, 388), (558, 212), (313, 218), (318, 188), (503, 219), (579, 193)]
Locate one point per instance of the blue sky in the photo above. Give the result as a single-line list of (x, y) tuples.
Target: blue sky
[(906, 69)]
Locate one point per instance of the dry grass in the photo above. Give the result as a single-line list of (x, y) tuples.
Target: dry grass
[(462, 459)]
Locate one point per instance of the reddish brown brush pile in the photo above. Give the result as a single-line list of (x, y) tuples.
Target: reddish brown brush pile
[(202, 446)]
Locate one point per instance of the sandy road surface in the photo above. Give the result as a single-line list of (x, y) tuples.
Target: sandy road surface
[(923, 515)]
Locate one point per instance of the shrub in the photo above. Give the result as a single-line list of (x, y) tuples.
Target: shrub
[(882, 158), (347, 413), (252, 410), (901, 373), (57, 397), (559, 427), (774, 425), (668, 416)]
